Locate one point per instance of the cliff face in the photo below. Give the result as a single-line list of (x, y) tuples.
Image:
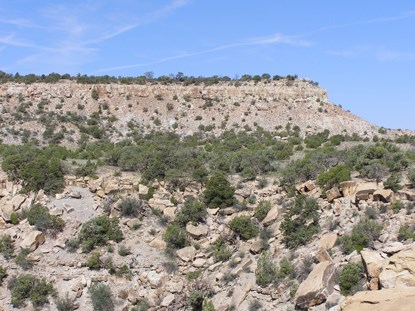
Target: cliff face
[(179, 108)]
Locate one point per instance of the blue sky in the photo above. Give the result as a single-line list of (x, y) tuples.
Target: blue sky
[(362, 52)]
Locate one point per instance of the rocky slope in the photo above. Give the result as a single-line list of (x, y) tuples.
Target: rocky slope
[(165, 283), (218, 264), (182, 109)]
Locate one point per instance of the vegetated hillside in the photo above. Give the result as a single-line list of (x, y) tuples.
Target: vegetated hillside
[(62, 110), (100, 212)]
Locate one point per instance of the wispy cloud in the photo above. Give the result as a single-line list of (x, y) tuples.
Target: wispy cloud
[(74, 30), (268, 40), (402, 16), (352, 52), (388, 55)]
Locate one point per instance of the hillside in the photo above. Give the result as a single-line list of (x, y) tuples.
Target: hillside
[(119, 109), (239, 195)]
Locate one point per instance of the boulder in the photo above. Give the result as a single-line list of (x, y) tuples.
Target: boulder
[(133, 223), (158, 244), (197, 231), (142, 191), (186, 253), (32, 240), (6, 211), (399, 269), (363, 191), (239, 295), (75, 195), (348, 188), (328, 240), (169, 213), (332, 194), (406, 195), (168, 300), (395, 299), (156, 279), (111, 187), (384, 195), (317, 287), (272, 215), (393, 248), (306, 187), (17, 201), (323, 255), (256, 247), (373, 263)]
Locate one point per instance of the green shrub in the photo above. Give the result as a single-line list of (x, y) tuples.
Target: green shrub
[(27, 286), (65, 303), (99, 230), (411, 178), (349, 278), (396, 206), (262, 210), (22, 261), (244, 227), (286, 269), (94, 261), (14, 218), (175, 236), (195, 300), (87, 169), (94, 94), (3, 274), (192, 211), (255, 305), (221, 251), (406, 232), (142, 305), (334, 176), (316, 140), (218, 192), (208, 305), (38, 216), (101, 297), (72, 245), (300, 221), (124, 251), (393, 182), (6, 246), (363, 235), (266, 271), (131, 207), (31, 165)]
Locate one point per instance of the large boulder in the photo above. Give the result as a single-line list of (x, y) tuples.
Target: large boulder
[(373, 263), (364, 191), (348, 188), (197, 231), (317, 287), (6, 211), (111, 186), (332, 194), (384, 195), (187, 253), (17, 201), (142, 191), (32, 240), (406, 195), (402, 299), (399, 269), (272, 215), (327, 241)]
